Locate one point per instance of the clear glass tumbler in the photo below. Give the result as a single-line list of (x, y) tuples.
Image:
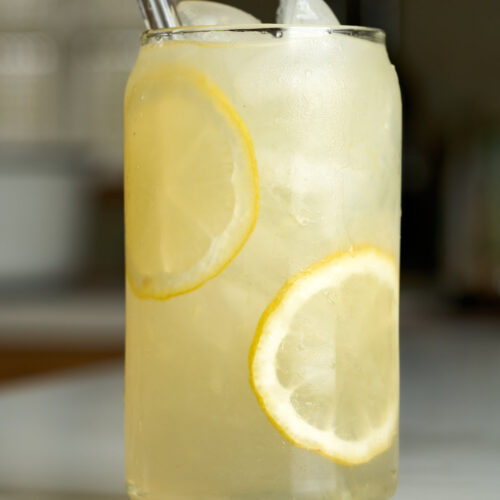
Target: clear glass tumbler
[(262, 192)]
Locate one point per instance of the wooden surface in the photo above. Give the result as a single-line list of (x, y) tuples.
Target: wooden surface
[(49, 333), (18, 363)]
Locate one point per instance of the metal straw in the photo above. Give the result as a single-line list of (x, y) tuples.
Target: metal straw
[(159, 14)]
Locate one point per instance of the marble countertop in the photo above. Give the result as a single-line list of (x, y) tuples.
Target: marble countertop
[(61, 435)]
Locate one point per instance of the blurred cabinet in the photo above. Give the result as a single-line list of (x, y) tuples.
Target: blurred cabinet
[(30, 86), (99, 63), (63, 70), (471, 216)]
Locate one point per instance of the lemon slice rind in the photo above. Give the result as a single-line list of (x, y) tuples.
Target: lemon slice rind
[(274, 399), (225, 246)]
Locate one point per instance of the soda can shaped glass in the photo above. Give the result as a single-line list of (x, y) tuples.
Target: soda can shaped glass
[(262, 209)]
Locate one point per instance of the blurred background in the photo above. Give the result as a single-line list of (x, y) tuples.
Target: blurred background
[(63, 68)]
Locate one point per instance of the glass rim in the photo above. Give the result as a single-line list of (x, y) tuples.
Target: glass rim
[(375, 35)]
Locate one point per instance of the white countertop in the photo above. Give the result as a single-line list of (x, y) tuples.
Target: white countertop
[(63, 434), (450, 421)]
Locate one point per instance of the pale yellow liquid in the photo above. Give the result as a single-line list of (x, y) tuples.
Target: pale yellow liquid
[(324, 115)]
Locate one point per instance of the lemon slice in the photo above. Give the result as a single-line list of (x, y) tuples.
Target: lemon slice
[(324, 362), (191, 185)]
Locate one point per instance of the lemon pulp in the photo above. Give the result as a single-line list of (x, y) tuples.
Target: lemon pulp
[(192, 187), (324, 359)]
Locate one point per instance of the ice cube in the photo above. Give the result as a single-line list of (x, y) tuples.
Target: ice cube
[(307, 12), (205, 13)]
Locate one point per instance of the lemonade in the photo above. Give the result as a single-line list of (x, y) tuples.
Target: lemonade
[(262, 191)]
